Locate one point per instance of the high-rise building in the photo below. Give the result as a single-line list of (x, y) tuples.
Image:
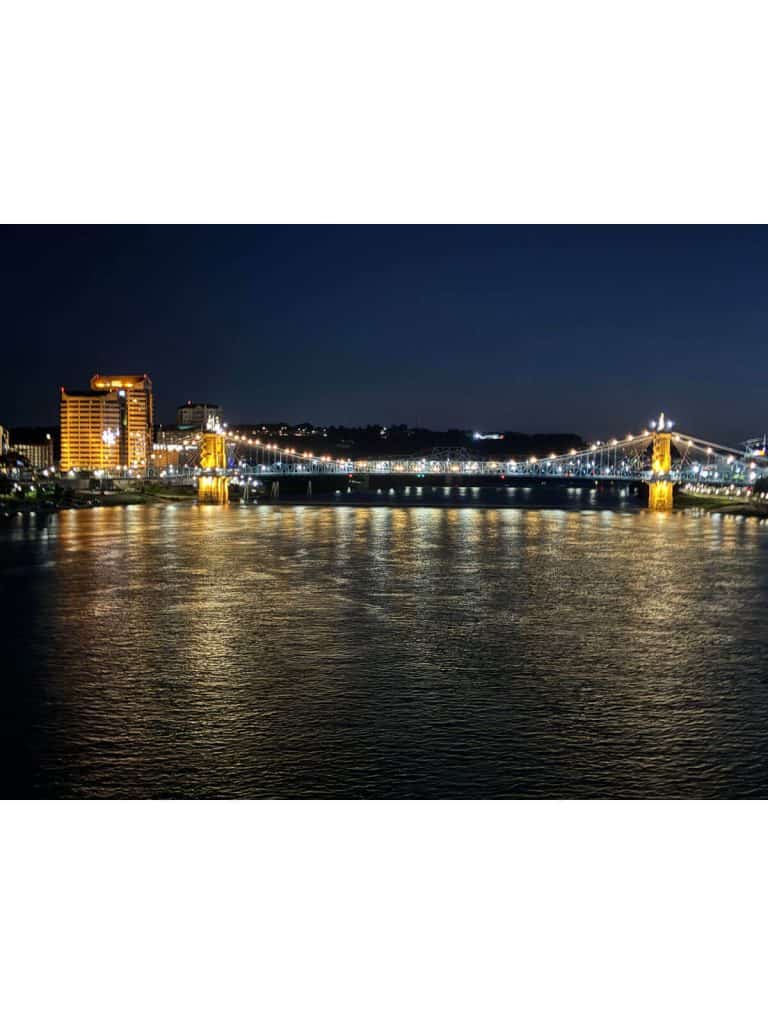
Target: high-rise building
[(108, 428), (201, 415), (5, 441)]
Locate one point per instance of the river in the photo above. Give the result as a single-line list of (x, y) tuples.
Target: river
[(590, 650)]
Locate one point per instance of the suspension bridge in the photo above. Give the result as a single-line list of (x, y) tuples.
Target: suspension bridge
[(659, 457)]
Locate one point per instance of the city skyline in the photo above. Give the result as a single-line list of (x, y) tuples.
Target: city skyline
[(478, 328)]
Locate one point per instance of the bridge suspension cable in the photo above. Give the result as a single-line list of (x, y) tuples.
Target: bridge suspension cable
[(626, 458)]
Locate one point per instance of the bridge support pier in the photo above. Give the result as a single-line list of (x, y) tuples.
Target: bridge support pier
[(660, 496), (213, 490)]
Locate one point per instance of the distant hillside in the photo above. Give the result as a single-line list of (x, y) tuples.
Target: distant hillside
[(400, 439)]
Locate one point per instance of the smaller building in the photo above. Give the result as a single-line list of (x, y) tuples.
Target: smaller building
[(35, 446), (175, 449), (185, 437), (200, 416)]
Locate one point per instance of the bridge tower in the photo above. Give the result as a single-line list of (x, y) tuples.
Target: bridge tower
[(213, 483), (660, 490)]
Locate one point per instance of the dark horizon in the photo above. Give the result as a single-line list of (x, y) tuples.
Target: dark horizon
[(584, 330)]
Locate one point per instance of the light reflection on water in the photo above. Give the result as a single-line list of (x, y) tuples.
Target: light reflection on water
[(404, 652)]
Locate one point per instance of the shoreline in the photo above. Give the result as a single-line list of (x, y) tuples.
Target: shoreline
[(684, 502), (719, 504)]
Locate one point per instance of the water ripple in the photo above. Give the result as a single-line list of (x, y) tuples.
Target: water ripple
[(397, 652)]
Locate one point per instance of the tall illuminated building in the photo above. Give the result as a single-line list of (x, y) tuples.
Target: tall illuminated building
[(109, 427)]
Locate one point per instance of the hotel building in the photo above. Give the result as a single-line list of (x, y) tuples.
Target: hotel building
[(109, 427)]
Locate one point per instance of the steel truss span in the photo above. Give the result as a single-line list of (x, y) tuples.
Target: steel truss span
[(693, 460)]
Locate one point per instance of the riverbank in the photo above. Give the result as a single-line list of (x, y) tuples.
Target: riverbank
[(12, 506), (721, 504), (157, 492)]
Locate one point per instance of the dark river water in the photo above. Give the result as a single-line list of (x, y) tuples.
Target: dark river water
[(293, 651)]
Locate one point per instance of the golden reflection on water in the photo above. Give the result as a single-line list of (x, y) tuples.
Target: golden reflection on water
[(396, 651)]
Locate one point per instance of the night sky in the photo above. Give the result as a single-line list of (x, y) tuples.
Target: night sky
[(585, 329)]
